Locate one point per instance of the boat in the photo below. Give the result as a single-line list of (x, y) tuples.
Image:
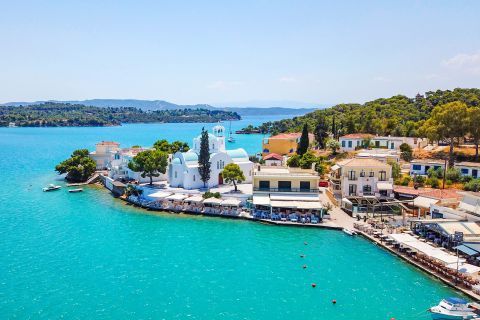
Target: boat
[(51, 187), (454, 308), (230, 137), (348, 231), (75, 190)]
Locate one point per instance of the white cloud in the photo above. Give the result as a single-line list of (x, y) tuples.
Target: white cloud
[(469, 63), (223, 85), (287, 79), (381, 79)]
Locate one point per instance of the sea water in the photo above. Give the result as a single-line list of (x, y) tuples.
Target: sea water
[(90, 256)]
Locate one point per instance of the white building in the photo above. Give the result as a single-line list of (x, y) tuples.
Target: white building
[(354, 141), (469, 169), (468, 208), (183, 169), (421, 166), (104, 153), (273, 159), (380, 154), (361, 177), (118, 167)]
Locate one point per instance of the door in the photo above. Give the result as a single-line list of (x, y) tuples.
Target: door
[(475, 173), (220, 178), (284, 185)]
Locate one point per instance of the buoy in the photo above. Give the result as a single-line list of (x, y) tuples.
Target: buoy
[(301, 256), (314, 285), (334, 301), (305, 243), (304, 266)]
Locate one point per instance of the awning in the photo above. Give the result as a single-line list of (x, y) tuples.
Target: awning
[(176, 196), (212, 201), (299, 197), (159, 195), (309, 205), (466, 250), (194, 199), (231, 202), (384, 186), (261, 200), (335, 167), (284, 204), (424, 202)]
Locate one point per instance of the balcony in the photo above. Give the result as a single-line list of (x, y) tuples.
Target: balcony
[(285, 190)]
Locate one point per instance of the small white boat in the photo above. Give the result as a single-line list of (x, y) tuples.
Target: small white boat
[(75, 190), (454, 308), (51, 187), (230, 139), (350, 232)]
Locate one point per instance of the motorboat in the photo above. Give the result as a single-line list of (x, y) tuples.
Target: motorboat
[(454, 308), (75, 190), (350, 232), (51, 187), (230, 136)]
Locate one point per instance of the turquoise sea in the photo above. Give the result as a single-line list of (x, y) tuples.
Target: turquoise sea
[(89, 256)]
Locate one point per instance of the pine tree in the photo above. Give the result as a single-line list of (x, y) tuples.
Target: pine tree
[(204, 158), (304, 142)]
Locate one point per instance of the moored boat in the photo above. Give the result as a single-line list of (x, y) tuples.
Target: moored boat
[(350, 232), (51, 187), (454, 308), (75, 190)]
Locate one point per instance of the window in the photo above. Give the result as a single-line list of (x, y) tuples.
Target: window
[(284, 185), (417, 167), (264, 185), (392, 145), (352, 175), (193, 177), (349, 144), (358, 143), (343, 143), (377, 144), (383, 193), (367, 189), (371, 174), (266, 151), (352, 190), (383, 176), (436, 167), (362, 173), (475, 173), (305, 185), (464, 171)]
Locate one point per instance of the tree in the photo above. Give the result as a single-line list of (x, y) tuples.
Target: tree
[(232, 173), (334, 145), (321, 132), (472, 185), (79, 167), (204, 158), (447, 123), (406, 152), (171, 148), (453, 174), (474, 127), (304, 142), (396, 170), (150, 163), (294, 161)]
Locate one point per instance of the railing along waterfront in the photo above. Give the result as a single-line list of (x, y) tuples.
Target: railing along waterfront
[(285, 190)]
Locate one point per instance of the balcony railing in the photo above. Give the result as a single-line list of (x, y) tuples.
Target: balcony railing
[(284, 190)]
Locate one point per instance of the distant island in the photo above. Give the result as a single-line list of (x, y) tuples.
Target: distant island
[(54, 114), (161, 105)]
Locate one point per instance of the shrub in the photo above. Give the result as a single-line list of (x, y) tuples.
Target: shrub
[(406, 181), (466, 179), (209, 194), (448, 183), (472, 185), (418, 180), (294, 161), (433, 182), (453, 175)]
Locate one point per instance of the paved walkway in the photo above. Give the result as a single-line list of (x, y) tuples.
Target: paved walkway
[(338, 216)]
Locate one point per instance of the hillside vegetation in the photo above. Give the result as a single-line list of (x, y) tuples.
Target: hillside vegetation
[(52, 114), (398, 115)]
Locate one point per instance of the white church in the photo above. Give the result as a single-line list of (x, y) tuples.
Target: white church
[(183, 169)]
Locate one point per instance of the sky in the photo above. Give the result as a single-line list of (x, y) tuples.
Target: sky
[(236, 52)]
